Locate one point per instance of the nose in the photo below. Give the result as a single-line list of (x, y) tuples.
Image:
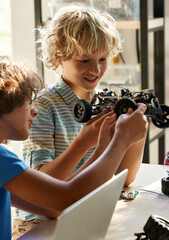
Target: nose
[(34, 111), (94, 68)]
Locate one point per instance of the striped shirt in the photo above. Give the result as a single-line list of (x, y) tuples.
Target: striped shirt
[(53, 130)]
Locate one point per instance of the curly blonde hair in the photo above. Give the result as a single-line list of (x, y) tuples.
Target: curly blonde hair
[(17, 83), (78, 30)]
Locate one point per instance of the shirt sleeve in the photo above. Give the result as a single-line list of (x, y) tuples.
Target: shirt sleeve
[(10, 166), (39, 147)]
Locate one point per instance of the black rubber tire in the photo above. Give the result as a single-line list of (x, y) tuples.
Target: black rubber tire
[(82, 110), (123, 105), (165, 110), (165, 185), (157, 228)]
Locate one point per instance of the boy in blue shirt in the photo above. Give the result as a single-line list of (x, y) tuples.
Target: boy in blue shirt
[(38, 192)]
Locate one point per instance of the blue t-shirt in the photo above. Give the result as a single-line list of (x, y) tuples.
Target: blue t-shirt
[(10, 167)]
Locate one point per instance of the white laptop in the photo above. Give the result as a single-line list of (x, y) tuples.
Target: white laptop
[(89, 218), (86, 219)]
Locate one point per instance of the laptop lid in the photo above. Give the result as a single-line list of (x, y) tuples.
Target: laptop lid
[(89, 218)]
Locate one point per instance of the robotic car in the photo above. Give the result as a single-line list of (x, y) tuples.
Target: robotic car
[(159, 113)]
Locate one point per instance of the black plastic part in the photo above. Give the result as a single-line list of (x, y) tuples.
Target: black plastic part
[(165, 185), (157, 228), (82, 110), (123, 105), (164, 123)]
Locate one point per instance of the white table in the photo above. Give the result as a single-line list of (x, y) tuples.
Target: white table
[(129, 216)]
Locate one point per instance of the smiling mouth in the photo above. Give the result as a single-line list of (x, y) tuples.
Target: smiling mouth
[(30, 124), (91, 80)]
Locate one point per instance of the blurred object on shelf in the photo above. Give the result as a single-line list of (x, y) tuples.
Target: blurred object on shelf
[(119, 9), (115, 59), (128, 76), (57, 4)]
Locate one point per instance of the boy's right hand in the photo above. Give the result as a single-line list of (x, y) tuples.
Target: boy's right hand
[(89, 133), (132, 126)]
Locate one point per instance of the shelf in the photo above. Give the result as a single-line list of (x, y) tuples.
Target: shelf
[(153, 24), (128, 24), (155, 132)]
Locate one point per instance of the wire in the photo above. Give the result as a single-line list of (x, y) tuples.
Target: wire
[(141, 189)]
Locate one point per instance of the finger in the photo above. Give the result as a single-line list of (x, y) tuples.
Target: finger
[(109, 121), (107, 114), (98, 116), (130, 111), (101, 116), (141, 107), (112, 118), (112, 127)]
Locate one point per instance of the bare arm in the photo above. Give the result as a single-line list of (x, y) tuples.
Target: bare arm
[(132, 161), (103, 142), (47, 192), (86, 139), (55, 195), (32, 208), (133, 157)]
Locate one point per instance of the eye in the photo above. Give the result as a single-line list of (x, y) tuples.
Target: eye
[(103, 59), (30, 102), (84, 61)]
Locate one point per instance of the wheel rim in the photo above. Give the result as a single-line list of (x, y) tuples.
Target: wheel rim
[(123, 105), (79, 111), (82, 111)]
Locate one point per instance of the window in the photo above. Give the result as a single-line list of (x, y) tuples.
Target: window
[(5, 28)]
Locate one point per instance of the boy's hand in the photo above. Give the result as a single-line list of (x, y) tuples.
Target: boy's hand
[(89, 133), (132, 126), (106, 132)]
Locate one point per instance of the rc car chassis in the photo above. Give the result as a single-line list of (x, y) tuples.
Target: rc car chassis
[(159, 113)]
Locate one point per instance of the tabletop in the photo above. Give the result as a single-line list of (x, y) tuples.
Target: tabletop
[(129, 216)]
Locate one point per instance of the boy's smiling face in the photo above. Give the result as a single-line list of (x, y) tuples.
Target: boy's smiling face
[(82, 73), (16, 124)]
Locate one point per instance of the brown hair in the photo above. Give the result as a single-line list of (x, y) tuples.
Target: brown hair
[(18, 82)]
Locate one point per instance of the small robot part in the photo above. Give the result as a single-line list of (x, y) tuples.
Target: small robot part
[(166, 159), (165, 184), (128, 196), (159, 113)]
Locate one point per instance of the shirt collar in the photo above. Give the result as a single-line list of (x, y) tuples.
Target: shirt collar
[(65, 91), (62, 88)]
